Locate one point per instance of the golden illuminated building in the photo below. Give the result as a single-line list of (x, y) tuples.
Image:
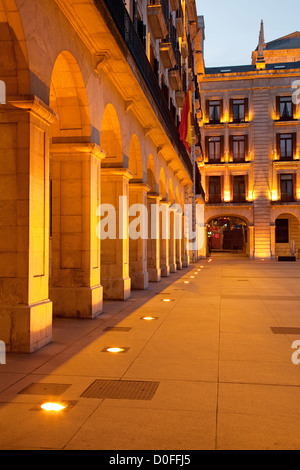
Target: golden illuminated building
[(251, 139)]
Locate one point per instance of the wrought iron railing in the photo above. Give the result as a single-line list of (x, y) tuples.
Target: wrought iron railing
[(128, 32)]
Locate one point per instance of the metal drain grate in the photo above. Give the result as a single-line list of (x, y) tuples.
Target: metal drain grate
[(285, 330), (55, 390), (121, 390), (120, 329)]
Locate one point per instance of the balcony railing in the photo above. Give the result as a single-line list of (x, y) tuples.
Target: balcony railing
[(128, 32)]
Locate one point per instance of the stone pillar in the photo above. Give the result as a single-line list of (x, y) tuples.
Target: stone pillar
[(153, 244), (172, 243), (75, 287), (115, 252), (138, 271), (178, 238), (185, 243), (25, 308), (252, 241), (273, 241), (165, 238)]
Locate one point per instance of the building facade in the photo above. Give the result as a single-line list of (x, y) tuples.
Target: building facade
[(94, 95), (250, 164)]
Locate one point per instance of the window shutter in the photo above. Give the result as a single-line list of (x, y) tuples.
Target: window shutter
[(246, 186), (221, 110), (278, 107), (222, 187), (207, 110), (246, 147), (278, 145), (294, 145), (222, 148), (246, 109), (231, 187), (207, 148), (231, 148), (231, 110), (295, 186), (207, 188)]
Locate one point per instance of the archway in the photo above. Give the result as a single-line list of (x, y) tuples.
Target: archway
[(172, 243), (111, 138), (75, 187), (287, 235), (228, 234)]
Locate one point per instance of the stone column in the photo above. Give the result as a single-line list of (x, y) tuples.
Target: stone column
[(165, 238), (273, 241), (138, 271), (252, 241), (75, 286), (178, 238), (25, 308), (153, 244), (172, 243), (115, 252), (185, 243)]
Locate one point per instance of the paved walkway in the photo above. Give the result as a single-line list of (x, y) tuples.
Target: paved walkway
[(225, 380)]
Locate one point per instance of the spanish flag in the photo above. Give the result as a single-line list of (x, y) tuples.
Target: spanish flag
[(186, 124)]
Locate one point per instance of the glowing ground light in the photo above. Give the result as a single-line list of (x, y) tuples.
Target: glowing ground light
[(115, 350), (148, 318), (166, 300), (54, 407), (192, 277), (186, 282)]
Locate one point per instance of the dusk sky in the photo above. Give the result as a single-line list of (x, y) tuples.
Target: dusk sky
[(232, 27)]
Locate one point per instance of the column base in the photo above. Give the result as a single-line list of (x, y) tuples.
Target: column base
[(139, 281), (173, 268), (77, 302), (186, 263), (116, 289), (165, 271), (154, 275), (179, 265), (26, 329)]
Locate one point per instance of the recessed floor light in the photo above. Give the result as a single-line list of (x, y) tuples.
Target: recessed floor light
[(149, 318), (192, 277), (166, 300), (115, 350), (53, 407), (186, 282)]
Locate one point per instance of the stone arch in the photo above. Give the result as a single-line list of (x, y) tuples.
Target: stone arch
[(230, 233), (151, 174), (177, 198), (14, 63), (68, 98), (111, 137), (135, 164), (162, 184), (234, 215)]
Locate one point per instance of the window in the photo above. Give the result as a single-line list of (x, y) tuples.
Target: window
[(282, 231), (238, 148), (287, 188), (215, 189), (239, 189), (239, 110), (286, 146), (214, 149), (214, 111), (285, 108)]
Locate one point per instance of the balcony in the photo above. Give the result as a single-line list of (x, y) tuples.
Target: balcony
[(184, 49), (175, 79), (122, 20), (167, 54), (180, 98), (157, 19), (175, 4), (179, 22)]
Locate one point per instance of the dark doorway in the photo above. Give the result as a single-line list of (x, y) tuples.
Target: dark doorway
[(227, 234)]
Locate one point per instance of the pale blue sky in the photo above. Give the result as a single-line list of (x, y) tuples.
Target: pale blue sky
[(232, 27)]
